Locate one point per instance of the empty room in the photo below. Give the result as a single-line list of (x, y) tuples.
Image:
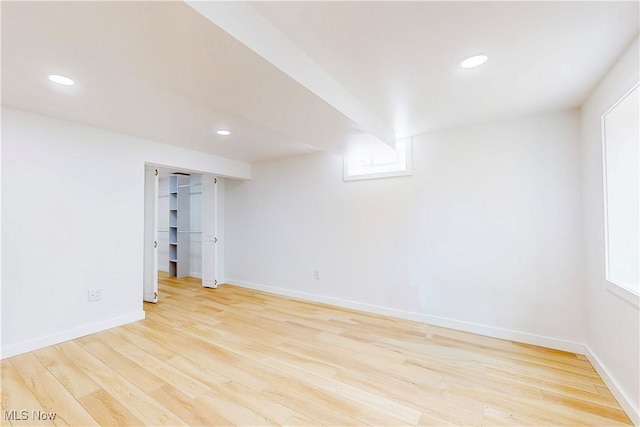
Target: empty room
[(320, 213)]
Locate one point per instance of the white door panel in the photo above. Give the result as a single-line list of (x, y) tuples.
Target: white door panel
[(209, 240), (150, 275)]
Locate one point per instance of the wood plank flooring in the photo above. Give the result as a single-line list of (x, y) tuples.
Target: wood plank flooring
[(232, 356)]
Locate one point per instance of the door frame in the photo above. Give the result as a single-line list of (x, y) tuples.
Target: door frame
[(150, 267)]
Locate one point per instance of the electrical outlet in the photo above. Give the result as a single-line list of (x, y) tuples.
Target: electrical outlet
[(316, 274), (95, 295)]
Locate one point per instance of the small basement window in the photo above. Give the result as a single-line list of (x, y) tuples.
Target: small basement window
[(371, 164)]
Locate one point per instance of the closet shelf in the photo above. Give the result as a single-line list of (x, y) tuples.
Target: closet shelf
[(179, 220)]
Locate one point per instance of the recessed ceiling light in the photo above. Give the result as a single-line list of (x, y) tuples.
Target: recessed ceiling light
[(61, 80), (223, 132), (474, 61)]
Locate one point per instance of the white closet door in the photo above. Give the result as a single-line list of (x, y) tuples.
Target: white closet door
[(150, 275), (209, 224)]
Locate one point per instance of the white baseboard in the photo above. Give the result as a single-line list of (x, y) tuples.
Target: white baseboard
[(57, 338), (625, 401), (444, 322)]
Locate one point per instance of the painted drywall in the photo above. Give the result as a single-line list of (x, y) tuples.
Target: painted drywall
[(484, 236), (613, 322), (72, 220)]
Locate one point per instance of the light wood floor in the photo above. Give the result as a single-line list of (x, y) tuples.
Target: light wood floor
[(235, 356)]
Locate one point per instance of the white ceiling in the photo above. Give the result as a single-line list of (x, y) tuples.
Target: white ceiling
[(400, 58), (161, 70)]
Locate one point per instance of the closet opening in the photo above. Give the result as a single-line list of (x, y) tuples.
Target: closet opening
[(180, 224), (183, 237)]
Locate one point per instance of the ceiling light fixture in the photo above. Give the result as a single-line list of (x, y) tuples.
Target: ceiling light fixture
[(223, 132), (474, 61), (61, 80)]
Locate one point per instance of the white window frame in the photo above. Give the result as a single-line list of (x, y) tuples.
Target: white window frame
[(620, 289), (407, 170)]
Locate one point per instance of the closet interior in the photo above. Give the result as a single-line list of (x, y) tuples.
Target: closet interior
[(180, 224)]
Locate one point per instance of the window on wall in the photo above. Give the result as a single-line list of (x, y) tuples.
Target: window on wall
[(368, 165), (620, 142)]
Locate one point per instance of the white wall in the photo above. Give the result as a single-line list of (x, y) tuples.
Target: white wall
[(613, 323), (485, 236), (72, 219)]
